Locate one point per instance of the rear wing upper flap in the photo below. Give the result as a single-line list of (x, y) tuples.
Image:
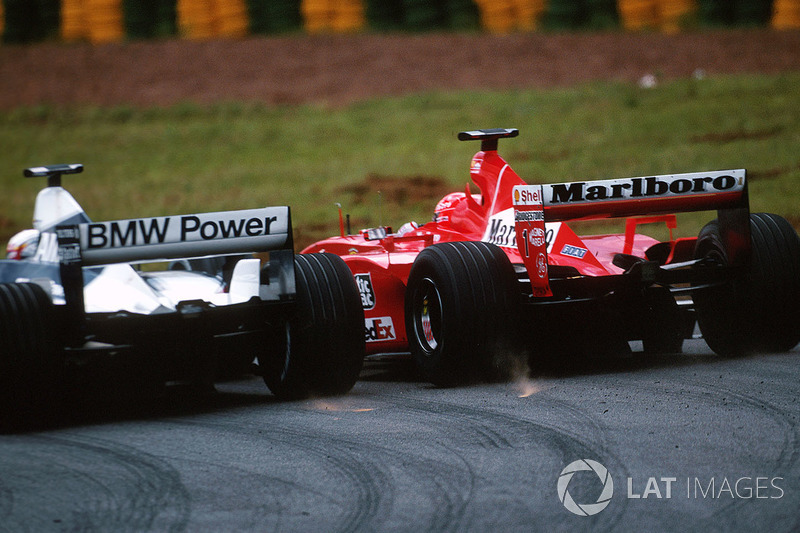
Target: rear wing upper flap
[(697, 191), (172, 237), (724, 191)]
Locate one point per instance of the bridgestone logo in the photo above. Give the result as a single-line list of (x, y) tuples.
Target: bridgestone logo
[(528, 216), (649, 187)]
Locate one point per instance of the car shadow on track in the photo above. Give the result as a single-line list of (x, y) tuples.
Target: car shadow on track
[(103, 404)]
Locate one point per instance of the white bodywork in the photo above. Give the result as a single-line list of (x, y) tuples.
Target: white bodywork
[(121, 287)]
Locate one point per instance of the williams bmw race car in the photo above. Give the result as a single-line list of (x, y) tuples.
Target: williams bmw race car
[(502, 272), (73, 296)]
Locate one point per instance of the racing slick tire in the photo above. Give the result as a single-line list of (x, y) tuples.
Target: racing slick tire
[(757, 311), (460, 304), (28, 365), (323, 345)]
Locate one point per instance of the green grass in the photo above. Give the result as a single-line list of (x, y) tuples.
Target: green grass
[(187, 158)]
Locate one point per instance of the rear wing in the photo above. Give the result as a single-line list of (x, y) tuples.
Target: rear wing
[(153, 239), (724, 191), (171, 237)]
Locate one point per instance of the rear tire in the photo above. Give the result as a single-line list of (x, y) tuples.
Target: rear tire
[(28, 364), (759, 311), (323, 345), (460, 303)]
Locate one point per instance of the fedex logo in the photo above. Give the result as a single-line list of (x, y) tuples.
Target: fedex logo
[(379, 329)]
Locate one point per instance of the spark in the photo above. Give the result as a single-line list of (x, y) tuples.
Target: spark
[(527, 388)]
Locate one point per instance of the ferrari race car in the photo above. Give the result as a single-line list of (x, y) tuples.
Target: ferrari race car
[(502, 272), (77, 295)]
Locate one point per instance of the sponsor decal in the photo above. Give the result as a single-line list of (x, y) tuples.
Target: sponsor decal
[(501, 230), (68, 247), (528, 195), (379, 329), (573, 251), (167, 237), (186, 228), (541, 265), (538, 236), (528, 216), (475, 164), (364, 284), (648, 187)]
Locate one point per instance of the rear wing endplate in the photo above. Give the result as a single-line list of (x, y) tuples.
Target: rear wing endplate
[(724, 191)]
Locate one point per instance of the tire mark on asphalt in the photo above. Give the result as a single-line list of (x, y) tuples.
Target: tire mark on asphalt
[(379, 473), (789, 451), (134, 491), (368, 479), (731, 514), (511, 431)]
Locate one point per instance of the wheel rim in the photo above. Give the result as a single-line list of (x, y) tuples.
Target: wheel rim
[(428, 316)]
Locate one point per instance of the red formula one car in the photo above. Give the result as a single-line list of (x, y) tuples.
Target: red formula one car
[(501, 272)]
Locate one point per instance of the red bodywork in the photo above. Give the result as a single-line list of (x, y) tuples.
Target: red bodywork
[(381, 266)]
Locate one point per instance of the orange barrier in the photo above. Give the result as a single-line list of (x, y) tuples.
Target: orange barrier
[(503, 16), (667, 15), (333, 15), (638, 14), (195, 18), (348, 16), (497, 15), (529, 13), (786, 14), (674, 13), (231, 18), (73, 21), (104, 20), (205, 19)]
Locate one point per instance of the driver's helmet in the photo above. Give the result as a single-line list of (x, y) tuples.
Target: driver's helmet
[(446, 206), (23, 245)]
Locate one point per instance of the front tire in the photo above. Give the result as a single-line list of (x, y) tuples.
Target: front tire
[(322, 345), (460, 304), (759, 311)]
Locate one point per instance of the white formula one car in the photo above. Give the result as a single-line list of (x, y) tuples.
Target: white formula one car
[(73, 293)]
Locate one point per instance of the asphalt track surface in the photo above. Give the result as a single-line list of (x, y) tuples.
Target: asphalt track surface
[(400, 455)]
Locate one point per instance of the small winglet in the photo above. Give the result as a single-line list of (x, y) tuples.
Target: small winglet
[(488, 137), (53, 173)]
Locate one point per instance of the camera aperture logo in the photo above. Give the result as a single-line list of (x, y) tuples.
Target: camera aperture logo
[(744, 487), (585, 509)]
